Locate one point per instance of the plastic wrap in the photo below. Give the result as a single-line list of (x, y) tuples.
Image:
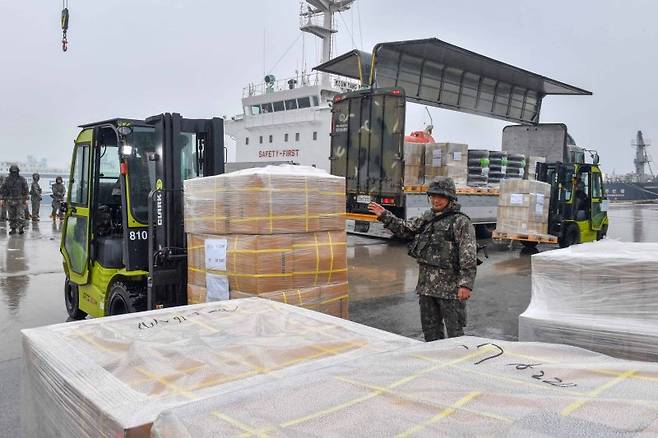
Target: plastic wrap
[(497, 166), (455, 162), (457, 387), (267, 200), (266, 263), (531, 167), (516, 164), (602, 296), (111, 377), (523, 207), (414, 163), (478, 167), (434, 154)]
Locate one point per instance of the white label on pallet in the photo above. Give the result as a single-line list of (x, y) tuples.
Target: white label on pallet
[(539, 207), (516, 198), (216, 254), (216, 287), (436, 158), (457, 156)]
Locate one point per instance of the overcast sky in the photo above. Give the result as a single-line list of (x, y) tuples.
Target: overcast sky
[(142, 57)]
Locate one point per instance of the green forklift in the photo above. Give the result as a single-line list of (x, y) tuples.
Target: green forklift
[(578, 205), (123, 241)]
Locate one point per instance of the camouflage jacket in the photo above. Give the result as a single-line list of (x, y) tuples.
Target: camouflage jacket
[(35, 190), (14, 188), (445, 250), (59, 191)]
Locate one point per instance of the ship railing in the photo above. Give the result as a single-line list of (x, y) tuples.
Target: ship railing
[(300, 80)]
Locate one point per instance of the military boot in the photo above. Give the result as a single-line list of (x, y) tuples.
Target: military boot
[(12, 231), (20, 230)]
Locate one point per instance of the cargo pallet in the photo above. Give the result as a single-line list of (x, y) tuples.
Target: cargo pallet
[(525, 237)]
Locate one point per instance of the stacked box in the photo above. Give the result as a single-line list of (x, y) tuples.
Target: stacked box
[(270, 200), (414, 163), (531, 167), (111, 377), (523, 207), (455, 162), (459, 387), (600, 295), (266, 232), (433, 161)]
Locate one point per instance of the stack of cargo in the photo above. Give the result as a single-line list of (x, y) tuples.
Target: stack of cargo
[(414, 163), (515, 166), (478, 167), (111, 377), (523, 207), (531, 167), (456, 387), (497, 166), (455, 162), (434, 156), (601, 296), (273, 232)]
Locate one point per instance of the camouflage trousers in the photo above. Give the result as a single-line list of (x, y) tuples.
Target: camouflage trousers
[(436, 312), (36, 205), (16, 211)]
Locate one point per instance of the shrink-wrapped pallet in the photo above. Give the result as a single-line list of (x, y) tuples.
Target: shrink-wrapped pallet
[(268, 200), (461, 387), (523, 207), (433, 161), (111, 377), (414, 163), (265, 263), (455, 162), (602, 296)]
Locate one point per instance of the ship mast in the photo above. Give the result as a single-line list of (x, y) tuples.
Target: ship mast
[(642, 159), (318, 19)]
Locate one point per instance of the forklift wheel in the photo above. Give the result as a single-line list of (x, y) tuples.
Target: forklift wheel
[(123, 299), (602, 232), (72, 301), (571, 236)]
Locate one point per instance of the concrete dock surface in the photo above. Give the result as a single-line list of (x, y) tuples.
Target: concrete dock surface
[(382, 280)]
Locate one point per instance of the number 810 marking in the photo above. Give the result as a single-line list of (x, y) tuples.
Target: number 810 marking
[(138, 235)]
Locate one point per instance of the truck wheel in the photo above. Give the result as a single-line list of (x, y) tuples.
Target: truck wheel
[(570, 236), (125, 299), (72, 300)]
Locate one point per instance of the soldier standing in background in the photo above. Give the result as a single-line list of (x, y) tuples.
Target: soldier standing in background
[(59, 192), (35, 196), (14, 193), (3, 208), (445, 248)]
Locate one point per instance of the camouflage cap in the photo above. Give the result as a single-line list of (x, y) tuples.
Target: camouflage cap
[(13, 169), (36, 176), (443, 186)]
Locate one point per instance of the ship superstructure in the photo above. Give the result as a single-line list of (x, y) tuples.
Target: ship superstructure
[(639, 186), (289, 119)]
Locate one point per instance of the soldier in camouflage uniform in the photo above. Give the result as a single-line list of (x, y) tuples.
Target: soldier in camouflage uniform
[(35, 197), (14, 194), (59, 192), (445, 248)]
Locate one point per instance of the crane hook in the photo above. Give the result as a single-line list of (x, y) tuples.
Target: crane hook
[(65, 24)]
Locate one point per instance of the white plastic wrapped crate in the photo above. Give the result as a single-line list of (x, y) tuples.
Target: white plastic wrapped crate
[(602, 296), (111, 377), (523, 207), (451, 388)]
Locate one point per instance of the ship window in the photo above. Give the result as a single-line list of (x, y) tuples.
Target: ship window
[(285, 137), (254, 110), (291, 104), (622, 191), (246, 140), (278, 106), (296, 136), (304, 102), (266, 107), (315, 135), (270, 138), (260, 139), (314, 99)]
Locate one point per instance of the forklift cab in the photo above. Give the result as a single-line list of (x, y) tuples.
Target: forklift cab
[(578, 206), (123, 243)]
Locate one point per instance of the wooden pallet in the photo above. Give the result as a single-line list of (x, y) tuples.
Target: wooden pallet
[(526, 237), (467, 190)]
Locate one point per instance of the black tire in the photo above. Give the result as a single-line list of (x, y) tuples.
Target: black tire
[(72, 301), (602, 232), (125, 298), (570, 236)]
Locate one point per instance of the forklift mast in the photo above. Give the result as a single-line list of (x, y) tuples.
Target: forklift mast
[(185, 148)]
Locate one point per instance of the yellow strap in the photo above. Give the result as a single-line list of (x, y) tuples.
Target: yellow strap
[(331, 263), (317, 259), (306, 201)]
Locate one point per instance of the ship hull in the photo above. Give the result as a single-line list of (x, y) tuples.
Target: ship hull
[(632, 191)]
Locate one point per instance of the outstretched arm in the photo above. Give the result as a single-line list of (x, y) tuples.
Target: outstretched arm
[(405, 229)]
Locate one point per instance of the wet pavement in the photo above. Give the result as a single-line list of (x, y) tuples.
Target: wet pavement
[(382, 280)]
